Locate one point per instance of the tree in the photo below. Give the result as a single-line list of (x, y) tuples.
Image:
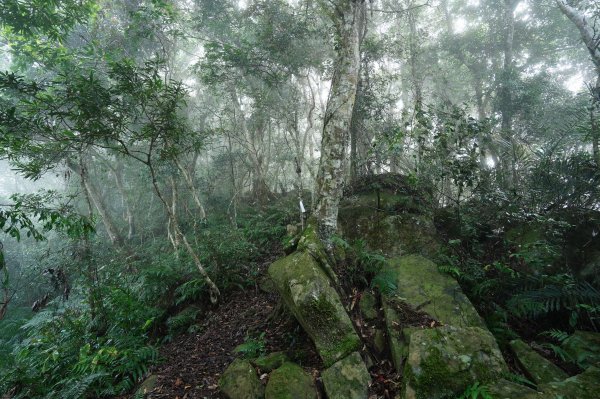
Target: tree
[(348, 17), (590, 34)]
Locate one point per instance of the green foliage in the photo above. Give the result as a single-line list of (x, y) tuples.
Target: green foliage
[(475, 391), (62, 356), (252, 347), (182, 321)]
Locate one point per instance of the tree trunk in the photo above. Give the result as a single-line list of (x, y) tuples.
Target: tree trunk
[(591, 38), (111, 229), (348, 17)]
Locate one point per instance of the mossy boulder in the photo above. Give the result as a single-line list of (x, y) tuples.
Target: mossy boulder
[(271, 361), (240, 381), (582, 386), (347, 379), (583, 348), (424, 287), (443, 361), (368, 305), (398, 335), (539, 369), (392, 234), (504, 389), (308, 293), (290, 381)]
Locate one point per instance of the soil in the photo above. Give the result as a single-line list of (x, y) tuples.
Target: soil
[(193, 363)]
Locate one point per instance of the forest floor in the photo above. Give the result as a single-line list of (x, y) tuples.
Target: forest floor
[(193, 363)]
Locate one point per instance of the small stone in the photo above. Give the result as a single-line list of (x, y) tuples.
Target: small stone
[(240, 381), (368, 305), (271, 361), (536, 366), (290, 381), (347, 379), (379, 341), (147, 386)]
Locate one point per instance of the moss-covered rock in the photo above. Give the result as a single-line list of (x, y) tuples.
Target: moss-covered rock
[(539, 369), (290, 382), (443, 361), (582, 386), (368, 305), (271, 361), (379, 341), (310, 242), (398, 335), (347, 379), (424, 287), (504, 389), (310, 296), (583, 347), (147, 386), (240, 381), (393, 234)]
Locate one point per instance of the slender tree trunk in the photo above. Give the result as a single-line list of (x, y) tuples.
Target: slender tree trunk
[(90, 188), (590, 34), (348, 17), (212, 288), (118, 173)]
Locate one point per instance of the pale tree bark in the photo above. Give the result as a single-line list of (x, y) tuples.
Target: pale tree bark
[(347, 17), (212, 287), (590, 34), (506, 96), (92, 191)]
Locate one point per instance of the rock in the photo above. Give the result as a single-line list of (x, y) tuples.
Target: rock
[(583, 347), (424, 287), (398, 336), (539, 369), (379, 341), (271, 361), (582, 386), (267, 285), (368, 305), (309, 295), (393, 234), (240, 381), (347, 379), (147, 386), (443, 361), (290, 382), (505, 389)]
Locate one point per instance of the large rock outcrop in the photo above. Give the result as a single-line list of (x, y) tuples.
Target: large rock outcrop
[(443, 361), (308, 293), (420, 285)]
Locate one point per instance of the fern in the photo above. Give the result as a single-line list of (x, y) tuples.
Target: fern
[(385, 282), (475, 391), (568, 295)]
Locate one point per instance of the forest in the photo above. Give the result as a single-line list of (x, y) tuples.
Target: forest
[(300, 199)]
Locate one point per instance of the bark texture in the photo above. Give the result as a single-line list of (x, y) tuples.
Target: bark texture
[(591, 38), (348, 17)]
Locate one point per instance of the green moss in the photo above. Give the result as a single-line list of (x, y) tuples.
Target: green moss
[(347, 379), (271, 361), (435, 374), (290, 382), (349, 344)]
